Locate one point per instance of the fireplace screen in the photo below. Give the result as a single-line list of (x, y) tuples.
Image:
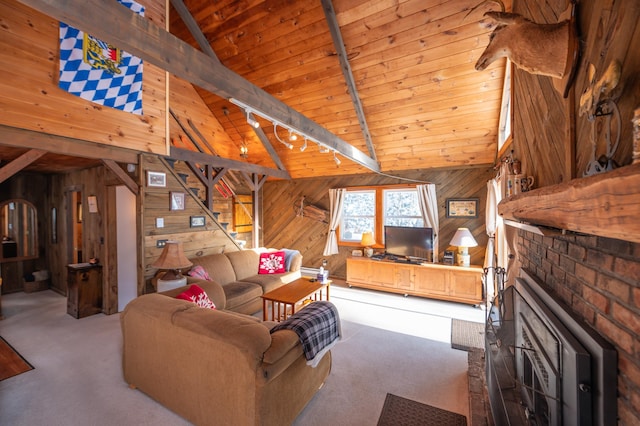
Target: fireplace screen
[(543, 366)]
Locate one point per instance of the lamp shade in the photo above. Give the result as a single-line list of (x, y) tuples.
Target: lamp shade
[(463, 238), (172, 257), (367, 239)]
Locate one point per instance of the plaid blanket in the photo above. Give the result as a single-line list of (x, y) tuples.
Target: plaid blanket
[(317, 327)]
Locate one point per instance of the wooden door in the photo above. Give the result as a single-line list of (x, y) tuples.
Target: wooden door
[(383, 274), (431, 281), (404, 277), (358, 271), (466, 285)]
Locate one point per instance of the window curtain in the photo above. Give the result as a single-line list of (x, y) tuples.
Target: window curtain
[(491, 223), (429, 210), (336, 198)]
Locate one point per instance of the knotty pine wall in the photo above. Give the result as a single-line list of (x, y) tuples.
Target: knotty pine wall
[(282, 228), (550, 137), (29, 66), (213, 238)]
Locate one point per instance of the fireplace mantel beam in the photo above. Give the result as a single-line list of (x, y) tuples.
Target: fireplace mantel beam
[(606, 205)]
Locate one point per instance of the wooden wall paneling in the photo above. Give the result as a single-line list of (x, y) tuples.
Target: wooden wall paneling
[(282, 228), (196, 241), (29, 49)]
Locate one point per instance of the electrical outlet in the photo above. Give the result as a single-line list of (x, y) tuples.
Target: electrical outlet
[(160, 243)]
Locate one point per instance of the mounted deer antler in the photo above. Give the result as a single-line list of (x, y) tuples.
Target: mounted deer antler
[(544, 49)]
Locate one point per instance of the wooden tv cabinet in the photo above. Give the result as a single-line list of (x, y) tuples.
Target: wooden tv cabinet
[(436, 281)]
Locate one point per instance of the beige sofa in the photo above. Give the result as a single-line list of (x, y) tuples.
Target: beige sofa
[(237, 273), (216, 367)]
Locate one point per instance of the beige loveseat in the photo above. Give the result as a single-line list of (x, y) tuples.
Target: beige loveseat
[(237, 273), (216, 367)]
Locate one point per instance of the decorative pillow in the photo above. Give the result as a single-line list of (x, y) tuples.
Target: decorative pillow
[(288, 257), (271, 263), (199, 272), (198, 296)]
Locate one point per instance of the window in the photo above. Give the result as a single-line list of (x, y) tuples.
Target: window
[(401, 208), (358, 215), (370, 208)]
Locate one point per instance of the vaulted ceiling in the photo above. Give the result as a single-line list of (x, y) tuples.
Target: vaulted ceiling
[(406, 93)]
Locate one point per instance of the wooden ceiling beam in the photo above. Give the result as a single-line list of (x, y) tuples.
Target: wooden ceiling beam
[(22, 138), (334, 29), (122, 175), (20, 163), (194, 29), (140, 37), (198, 157)]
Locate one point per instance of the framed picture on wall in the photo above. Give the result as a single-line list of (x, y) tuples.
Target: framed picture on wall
[(177, 200), (462, 207), (156, 179), (197, 221)]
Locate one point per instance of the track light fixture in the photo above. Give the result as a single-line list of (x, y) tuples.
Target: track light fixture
[(253, 123), (292, 136), (244, 151), (275, 132), (304, 145), (323, 149), (336, 159)]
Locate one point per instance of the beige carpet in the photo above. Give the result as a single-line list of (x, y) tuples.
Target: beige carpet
[(77, 378), (406, 412)]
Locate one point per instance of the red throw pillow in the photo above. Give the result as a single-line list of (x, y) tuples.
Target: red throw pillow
[(272, 263), (198, 296)]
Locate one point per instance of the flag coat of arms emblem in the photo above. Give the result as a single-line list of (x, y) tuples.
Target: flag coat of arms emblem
[(98, 71)]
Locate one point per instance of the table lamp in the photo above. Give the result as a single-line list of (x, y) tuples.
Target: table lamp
[(367, 241), (463, 239), (173, 260)]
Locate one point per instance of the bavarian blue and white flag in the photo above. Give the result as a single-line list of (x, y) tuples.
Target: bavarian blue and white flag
[(98, 71)]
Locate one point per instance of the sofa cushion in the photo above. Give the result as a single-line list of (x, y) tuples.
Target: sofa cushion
[(238, 293), (289, 255), (271, 263), (244, 263), (268, 282), (213, 289), (198, 296), (218, 267)]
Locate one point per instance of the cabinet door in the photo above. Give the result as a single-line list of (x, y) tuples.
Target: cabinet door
[(404, 277), (384, 274), (358, 271), (467, 285), (431, 281)]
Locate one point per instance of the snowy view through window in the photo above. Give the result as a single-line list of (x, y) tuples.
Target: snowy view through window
[(400, 208)]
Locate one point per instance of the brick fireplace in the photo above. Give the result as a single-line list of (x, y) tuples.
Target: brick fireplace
[(599, 279)]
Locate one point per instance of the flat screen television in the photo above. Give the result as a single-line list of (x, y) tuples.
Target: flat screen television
[(407, 241)]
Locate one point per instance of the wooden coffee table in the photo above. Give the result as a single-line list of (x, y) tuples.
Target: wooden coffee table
[(284, 299)]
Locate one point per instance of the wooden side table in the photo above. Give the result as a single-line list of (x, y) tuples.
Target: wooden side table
[(283, 300), (84, 289)]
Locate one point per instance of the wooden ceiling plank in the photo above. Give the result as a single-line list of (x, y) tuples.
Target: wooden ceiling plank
[(122, 175), (20, 163), (151, 43), (338, 43)]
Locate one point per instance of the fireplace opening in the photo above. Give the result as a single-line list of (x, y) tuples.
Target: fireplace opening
[(543, 365)]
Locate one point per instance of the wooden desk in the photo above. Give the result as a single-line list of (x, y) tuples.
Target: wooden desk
[(284, 299)]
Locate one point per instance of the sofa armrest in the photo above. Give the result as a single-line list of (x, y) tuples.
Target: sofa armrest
[(285, 349), (296, 262)]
